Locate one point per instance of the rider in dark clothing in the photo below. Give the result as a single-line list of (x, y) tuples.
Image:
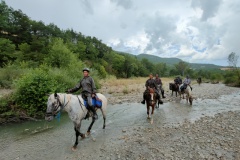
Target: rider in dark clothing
[(88, 90), (150, 83), (159, 84)]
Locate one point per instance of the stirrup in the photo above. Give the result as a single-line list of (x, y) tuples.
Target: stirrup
[(160, 101)]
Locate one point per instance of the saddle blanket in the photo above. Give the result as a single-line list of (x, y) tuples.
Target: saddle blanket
[(95, 101)]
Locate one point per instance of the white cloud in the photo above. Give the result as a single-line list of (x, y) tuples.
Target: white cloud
[(194, 30)]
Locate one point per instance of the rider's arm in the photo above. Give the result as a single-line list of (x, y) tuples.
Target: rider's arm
[(146, 84), (94, 90), (76, 88)]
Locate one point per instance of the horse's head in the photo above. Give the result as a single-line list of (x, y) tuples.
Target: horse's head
[(53, 106), (151, 96)]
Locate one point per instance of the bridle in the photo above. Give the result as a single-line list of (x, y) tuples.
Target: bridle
[(55, 110)]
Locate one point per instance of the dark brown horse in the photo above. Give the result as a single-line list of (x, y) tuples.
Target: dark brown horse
[(151, 99), (174, 87)]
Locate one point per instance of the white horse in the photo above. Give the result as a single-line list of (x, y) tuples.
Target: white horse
[(76, 109), (189, 97)]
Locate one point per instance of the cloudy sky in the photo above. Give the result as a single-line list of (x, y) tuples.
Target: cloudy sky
[(201, 31)]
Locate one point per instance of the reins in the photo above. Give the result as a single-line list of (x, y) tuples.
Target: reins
[(60, 105), (80, 104)]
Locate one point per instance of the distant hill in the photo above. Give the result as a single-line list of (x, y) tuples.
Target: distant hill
[(172, 61), (156, 59)]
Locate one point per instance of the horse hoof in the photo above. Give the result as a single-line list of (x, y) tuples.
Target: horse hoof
[(151, 122), (74, 148), (83, 136), (94, 139)]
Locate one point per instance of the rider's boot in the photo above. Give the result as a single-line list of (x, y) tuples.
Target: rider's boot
[(95, 116), (163, 94), (159, 99), (143, 101)]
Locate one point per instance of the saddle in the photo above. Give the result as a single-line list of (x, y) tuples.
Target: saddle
[(184, 86), (95, 101)]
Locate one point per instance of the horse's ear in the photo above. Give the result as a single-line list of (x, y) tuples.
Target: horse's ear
[(55, 95)]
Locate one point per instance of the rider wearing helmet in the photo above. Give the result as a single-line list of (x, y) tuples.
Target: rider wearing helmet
[(88, 90)]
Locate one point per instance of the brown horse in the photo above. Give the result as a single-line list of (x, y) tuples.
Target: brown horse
[(174, 87), (199, 80), (151, 99)]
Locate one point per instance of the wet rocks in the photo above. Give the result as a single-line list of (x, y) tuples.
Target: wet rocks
[(208, 138)]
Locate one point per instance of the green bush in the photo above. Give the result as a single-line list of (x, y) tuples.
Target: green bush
[(216, 77), (9, 73), (32, 89), (232, 78), (3, 105)]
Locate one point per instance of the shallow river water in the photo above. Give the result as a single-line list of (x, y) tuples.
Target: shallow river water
[(53, 140)]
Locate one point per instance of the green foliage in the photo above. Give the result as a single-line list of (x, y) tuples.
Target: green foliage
[(216, 77), (101, 70), (3, 105), (181, 67), (7, 50), (232, 78), (32, 89), (59, 54), (9, 73)]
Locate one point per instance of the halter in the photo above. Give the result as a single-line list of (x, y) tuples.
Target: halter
[(55, 109)]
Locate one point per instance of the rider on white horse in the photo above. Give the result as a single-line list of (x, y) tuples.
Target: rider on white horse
[(186, 82), (88, 90)]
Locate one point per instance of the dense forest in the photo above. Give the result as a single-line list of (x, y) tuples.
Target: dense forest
[(38, 58)]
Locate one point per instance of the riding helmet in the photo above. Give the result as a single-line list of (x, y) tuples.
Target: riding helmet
[(86, 69)]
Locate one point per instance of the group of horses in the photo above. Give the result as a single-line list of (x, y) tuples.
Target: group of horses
[(77, 111)]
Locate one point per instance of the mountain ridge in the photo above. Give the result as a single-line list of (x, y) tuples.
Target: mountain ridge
[(172, 61)]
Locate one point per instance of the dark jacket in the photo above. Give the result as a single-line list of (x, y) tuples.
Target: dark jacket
[(87, 84), (151, 83), (158, 81)]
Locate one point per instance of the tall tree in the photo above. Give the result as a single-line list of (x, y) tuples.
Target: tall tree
[(7, 49), (59, 55), (181, 67), (233, 59)]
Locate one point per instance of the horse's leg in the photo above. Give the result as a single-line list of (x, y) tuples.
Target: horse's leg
[(187, 97), (148, 111), (78, 133), (104, 118), (153, 106), (190, 100), (90, 127)]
